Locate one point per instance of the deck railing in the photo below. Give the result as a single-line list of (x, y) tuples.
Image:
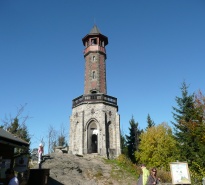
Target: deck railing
[(95, 98)]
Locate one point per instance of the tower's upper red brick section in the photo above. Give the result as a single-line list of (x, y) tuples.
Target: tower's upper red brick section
[(95, 56)]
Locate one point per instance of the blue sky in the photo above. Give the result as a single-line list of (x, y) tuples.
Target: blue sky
[(153, 47)]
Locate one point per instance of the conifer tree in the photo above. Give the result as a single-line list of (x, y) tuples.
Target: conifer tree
[(186, 115), (198, 129), (62, 136), (24, 133), (61, 140), (150, 122), (14, 127), (123, 145), (20, 131), (132, 139), (17, 126)]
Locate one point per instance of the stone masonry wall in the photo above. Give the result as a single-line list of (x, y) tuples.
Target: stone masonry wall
[(98, 114)]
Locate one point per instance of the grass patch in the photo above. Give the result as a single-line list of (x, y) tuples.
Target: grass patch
[(99, 174), (123, 168)]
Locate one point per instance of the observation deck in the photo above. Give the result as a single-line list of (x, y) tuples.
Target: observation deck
[(95, 98)]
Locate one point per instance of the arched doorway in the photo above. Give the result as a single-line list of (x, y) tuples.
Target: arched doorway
[(92, 137)]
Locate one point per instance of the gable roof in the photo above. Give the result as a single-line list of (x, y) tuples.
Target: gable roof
[(8, 138)]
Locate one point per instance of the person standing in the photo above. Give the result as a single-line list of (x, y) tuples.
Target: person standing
[(40, 153), (11, 177), (152, 179), (145, 174), (139, 181)]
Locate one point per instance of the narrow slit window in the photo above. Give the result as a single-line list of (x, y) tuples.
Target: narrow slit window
[(94, 75)]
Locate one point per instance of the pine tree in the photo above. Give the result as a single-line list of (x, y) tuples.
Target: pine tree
[(123, 145), (61, 140), (150, 122), (185, 116), (198, 129), (20, 131), (14, 127), (23, 133), (17, 125), (133, 139)]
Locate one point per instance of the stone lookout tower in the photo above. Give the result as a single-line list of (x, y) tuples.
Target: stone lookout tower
[(95, 122)]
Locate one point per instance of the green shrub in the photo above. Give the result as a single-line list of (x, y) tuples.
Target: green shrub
[(197, 173), (125, 163), (164, 175)]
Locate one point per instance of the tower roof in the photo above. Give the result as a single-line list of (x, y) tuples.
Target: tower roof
[(93, 33), (95, 30)]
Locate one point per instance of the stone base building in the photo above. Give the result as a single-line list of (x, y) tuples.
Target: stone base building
[(95, 122)]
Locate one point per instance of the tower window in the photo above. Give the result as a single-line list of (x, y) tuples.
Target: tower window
[(93, 58), (94, 75), (93, 41), (93, 92)]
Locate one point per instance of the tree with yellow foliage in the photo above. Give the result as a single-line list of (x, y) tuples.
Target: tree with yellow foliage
[(157, 147)]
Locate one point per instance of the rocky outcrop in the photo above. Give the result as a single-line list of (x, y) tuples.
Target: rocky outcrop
[(68, 169)]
